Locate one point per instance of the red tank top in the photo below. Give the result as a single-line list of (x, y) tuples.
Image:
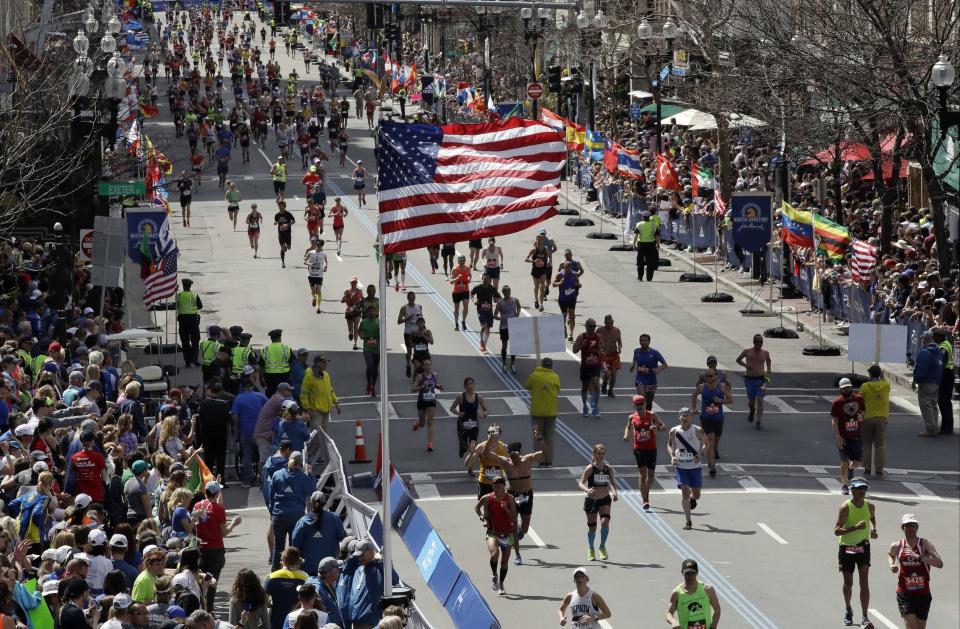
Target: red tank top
[(644, 437), (914, 575), (590, 350), (500, 522)]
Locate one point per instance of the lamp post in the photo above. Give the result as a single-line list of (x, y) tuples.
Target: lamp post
[(534, 35), (942, 75), (114, 89), (645, 34)]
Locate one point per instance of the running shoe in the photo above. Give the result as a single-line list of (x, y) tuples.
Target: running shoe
[(603, 385), (456, 326), (501, 591), (463, 324), (313, 302), (848, 618), (591, 555), (518, 560), (688, 525), (536, 304), (349, 336), (494, 583), (429, 446), (396, 288), (416, 426), (866, 623), (483, 348), (586, 411), (845, 490), (693, 504), (504, 366), (603, 553), (646, 506), (750, 417), (596, 410), (713, 471), (513, 370), (759, 427)]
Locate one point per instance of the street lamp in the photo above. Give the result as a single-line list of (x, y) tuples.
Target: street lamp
[(942, 75), (90, 22), (644, 31), (582, 20), (81, 44), (645, 34)]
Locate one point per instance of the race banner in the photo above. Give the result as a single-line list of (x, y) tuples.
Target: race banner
[(751, 214)]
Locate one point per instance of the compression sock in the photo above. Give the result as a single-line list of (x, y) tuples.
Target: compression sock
[(596, 400), (503, 575), (604, 531), (591, 536), (493, 566)]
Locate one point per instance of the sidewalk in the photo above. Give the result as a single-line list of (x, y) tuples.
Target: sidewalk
[(796, 313)]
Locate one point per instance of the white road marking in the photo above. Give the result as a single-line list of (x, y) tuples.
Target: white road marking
[(658, 409), (516, 405), (265, 156), (907, 404), (886, 621), (536, 539), (751, 484), (832, 484), (815, 469), (425, 489), (445, 409), (248, 177), (576, 402), (769, 531), (713, 492), (604, 624), (829, 398), (781, 404), (730, 468), (920, 490), (392, 411), (668, 487)]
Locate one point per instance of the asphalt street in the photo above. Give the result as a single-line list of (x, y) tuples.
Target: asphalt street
[(783, 477)]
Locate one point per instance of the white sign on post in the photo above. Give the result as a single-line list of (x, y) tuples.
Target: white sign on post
[(877, 343), (536, 335)]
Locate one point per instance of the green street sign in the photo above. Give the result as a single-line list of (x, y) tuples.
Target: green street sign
[(122, 188)]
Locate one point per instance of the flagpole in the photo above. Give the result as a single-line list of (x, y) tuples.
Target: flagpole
[(385, 466)]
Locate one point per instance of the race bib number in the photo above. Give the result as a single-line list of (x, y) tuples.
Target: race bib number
[(316, 269), (505, 541), (470, 424), (915, 582), (493, 473), (644, 434), (712, 409), (592, 359), (569, 291), (539, 263), (601, 479), (492, 264), (684, 456), (521, 499), (187, 192), (429, 396), (420, 347), (697, 624), (851, 425), (371, 342), (853, 550)]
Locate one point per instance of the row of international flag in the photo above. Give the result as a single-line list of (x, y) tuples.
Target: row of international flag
[(803, 228)]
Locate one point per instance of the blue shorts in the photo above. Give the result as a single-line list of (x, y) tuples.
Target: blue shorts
[(492, 271), (485, 317), (690, 478), (754, 386), (647, 381), (852, 450)]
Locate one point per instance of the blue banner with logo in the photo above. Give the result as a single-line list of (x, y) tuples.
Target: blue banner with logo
[(140, 223), (751, 214)]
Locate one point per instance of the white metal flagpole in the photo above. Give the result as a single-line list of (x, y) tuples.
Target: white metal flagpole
[(385, 424)]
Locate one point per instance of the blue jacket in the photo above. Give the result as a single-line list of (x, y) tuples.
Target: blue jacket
[(130, 573), (274, 464), (929, 366), (366, 587), (317, 538), (331, 602), (295, 380), (289, 491)]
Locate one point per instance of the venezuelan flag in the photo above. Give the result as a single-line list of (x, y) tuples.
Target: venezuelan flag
[(832, 239), (593, 146), (796, 226)]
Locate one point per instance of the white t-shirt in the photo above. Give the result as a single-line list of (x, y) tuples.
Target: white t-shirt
[(316, 261), (97, 571)]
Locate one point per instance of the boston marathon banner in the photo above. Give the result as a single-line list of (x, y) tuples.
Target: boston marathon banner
[(751, 214)]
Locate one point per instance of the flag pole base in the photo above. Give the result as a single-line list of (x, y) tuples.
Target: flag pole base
[(780, 332), (695, 277), (821, 350), (602, 235), (623, 247), (568, 212), (579, 222), (757, 312), (718, 298)]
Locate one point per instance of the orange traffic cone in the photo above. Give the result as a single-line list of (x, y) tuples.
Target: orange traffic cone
[(359, 449)]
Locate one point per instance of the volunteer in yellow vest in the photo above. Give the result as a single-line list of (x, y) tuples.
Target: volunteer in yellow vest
[(947, 385), (693, 603), (276, 358), (209, 348), (873, 428), (490, 470), (856, 526), (317, 395), (25, 354), (647, 244), (279, 172), (188, 321)]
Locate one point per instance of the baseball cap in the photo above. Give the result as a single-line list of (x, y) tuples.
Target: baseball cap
[(845, 382), (97, 538), (39, 455), (149, 548), (363, 546), (327, 564), (51, 586), (639, 398), (346, 541), (547, 362), (88, 310), (120, 541), (909, 518), (290, 404), (248, 369), (82, 500), (122, 601), (175, 611), (283, 386), (50, 553), (683, 411), (182, 580), (139, 467), (302, 351), (580, 570), (689, 565), (63, 553), (859, 483), (40, 466), (23, 430), (515, 446), (213, 487)]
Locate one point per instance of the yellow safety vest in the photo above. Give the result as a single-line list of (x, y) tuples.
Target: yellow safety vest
[(208, 351), (241, 358), (280, 172), (186, 302), (947, 347), (646, 231), (37, 365), (26, 358), (277, 358)]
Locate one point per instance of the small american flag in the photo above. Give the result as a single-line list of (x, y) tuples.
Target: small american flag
[(459, 182), (162, 283), (862, 260)]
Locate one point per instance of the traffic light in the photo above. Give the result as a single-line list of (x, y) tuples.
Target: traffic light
[(553, 78)]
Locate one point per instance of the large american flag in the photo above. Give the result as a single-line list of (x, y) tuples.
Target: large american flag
[(162, 283), (457, 182)]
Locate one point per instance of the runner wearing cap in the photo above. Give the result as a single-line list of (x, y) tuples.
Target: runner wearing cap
[(693, 603), (757, 368), (460, 280), (426, 385), (360, 183), (316, 261), (485, 294), (539, 259), (644, 425), (686, 445), (587, 608), (647, 363), (490, 468), (910, 558), (352, 301), (856, 526), (498, 512), (846, 415), (597, 482), (713, 395)]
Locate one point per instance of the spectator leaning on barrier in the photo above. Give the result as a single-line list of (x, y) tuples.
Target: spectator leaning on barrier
[(927, 374)]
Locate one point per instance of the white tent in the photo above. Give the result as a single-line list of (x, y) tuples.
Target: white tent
[(690, 118), (735, 120)]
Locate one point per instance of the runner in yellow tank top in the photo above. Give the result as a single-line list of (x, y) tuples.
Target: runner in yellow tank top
[(489, 470)]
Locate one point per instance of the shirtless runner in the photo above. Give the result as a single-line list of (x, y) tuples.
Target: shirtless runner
[(518, 468), (610, 346), (756, 363)]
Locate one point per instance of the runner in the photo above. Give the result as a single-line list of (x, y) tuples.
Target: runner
[(846, 416), (447, 252), (484, 293), (399, 271), (490, 466), (647, 363), (519, 471), (222, 155), (713, 395), (686, 445), (360, 183), (316, 261), (569, 285), (756, 362), (598, 484), (645, 425), (475, 246), (611, 344), (426, 385), (910, 558), (498, 512), (461, 292), (434, 252), (313, 215), (469, 408), (279, 173), (185, 187), (856, 526), (694, 602), (284, 221), (254, 220), (233, 199), (353, 309), (493, 261), (507, 308), (587, 608), (338, 211), (588, 345), (409, 313), (343, 141), (539, 257), (369, 332), (196, 164)]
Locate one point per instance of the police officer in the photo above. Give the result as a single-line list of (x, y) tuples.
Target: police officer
[(276, 358), (243, 355), (209, 348), (647, 243), (188, 321), (945, 394)]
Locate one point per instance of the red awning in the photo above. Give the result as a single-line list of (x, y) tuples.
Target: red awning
[(887, 169)]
